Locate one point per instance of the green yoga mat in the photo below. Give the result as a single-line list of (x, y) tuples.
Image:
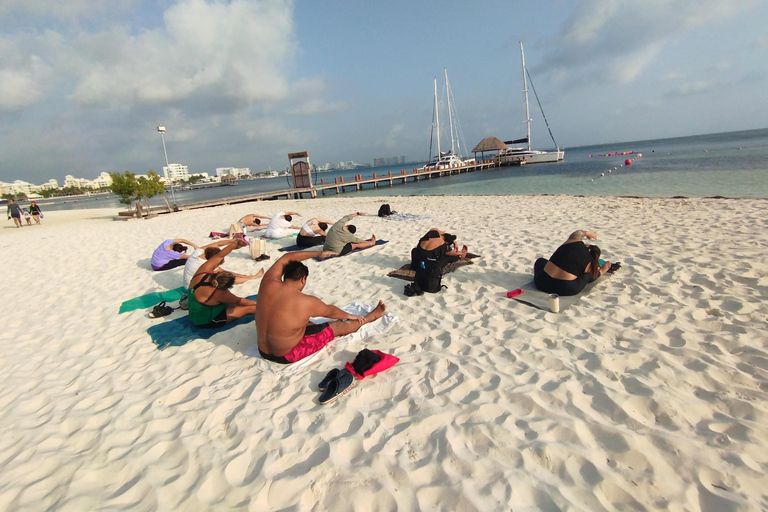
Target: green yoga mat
[(150, 299)]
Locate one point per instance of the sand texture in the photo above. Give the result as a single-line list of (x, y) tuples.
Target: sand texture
[(649, 393)]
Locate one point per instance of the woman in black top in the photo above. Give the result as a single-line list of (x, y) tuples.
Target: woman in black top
[(35, 211), (572, 266), (437, 245)]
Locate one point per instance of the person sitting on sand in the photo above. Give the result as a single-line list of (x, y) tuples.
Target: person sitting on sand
[(313, 232), (341, 238), (251, 220), (572, 266), (280, 225), (437, 245), (284, 333), (170, 254), (202, 254), (211, 304)]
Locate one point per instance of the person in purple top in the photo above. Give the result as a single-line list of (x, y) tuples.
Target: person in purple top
[(170, 254)]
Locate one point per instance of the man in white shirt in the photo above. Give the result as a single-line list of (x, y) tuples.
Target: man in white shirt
[(202, 254), (280, 225)]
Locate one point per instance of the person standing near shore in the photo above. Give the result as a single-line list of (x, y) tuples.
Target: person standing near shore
[(35, 211), (14, 212), (283, 331), (341, 238)]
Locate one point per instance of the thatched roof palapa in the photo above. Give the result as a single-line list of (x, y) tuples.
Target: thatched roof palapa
[(490, 144)]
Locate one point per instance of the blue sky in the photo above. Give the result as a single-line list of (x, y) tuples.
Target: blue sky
[(84, 83)]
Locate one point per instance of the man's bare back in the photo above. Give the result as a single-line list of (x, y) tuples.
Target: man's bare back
[(283, 311)]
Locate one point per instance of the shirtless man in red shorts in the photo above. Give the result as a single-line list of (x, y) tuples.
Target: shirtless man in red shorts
[(284, 333)]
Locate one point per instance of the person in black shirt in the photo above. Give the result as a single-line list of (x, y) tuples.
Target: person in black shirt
[(572, 266)]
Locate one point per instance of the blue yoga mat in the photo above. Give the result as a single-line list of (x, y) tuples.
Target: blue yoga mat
[(150, 299), (378, 242), (180, 331), (292, 248)]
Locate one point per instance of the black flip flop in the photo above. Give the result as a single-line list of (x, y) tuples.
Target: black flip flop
[(338, 387), (330, 376)]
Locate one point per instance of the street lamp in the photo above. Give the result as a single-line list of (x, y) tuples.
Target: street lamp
[(161, 129)]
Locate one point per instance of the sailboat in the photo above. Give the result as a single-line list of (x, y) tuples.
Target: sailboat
[(453, 156), (524, 154)]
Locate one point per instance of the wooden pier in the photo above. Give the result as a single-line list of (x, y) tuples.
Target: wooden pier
[(338, 186)]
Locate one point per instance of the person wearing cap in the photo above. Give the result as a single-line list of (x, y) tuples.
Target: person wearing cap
[(35, 211)]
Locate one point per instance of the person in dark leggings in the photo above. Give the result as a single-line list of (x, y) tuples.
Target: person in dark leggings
[(572, 266), (437, 245)]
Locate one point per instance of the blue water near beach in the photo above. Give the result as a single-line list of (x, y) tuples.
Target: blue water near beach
[(731, 164)]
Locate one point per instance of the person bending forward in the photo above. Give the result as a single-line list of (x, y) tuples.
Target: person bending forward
[(284, 333)]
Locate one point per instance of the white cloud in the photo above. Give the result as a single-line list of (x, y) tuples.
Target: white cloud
[(65, 10), (240, 52), (393, 137), (616, 40), (22, 83)]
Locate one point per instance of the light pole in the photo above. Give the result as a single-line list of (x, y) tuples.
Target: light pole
[(161, 129)]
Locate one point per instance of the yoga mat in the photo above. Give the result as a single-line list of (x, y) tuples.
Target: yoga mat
[(180, 331), (534, 297), (378, 242), (408, 217), (407, 274), (150, 299), (280, 237), (292, 248)]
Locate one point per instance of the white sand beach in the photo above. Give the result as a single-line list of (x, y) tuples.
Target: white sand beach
[(650, 393)]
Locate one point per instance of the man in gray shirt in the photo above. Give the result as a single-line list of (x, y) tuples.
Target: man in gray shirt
[(341, 238)]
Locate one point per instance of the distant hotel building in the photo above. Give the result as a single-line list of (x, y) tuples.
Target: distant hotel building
[(176, 172), (232, 171), (392, 160)]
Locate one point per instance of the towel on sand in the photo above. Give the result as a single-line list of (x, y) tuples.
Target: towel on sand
[(408, 217), (535, 297), (406, 273), (150, 299), (366, 331), (378, 242), (179, 331)]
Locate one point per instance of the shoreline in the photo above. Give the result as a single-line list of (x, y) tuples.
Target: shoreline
[(649, 393)]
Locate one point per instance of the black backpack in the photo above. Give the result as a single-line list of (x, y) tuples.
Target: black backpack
[(385, 210), (429, 276)]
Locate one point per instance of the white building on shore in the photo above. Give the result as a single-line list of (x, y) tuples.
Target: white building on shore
[(237, 172), (176, 172)]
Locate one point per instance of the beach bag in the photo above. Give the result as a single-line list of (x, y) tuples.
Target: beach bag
[(235, 228), (257, 247), (429, 276), (385, 210)]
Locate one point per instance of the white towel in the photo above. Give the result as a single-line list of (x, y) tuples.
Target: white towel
[(366, 331)]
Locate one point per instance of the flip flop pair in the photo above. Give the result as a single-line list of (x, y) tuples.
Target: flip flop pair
[(334, 385)]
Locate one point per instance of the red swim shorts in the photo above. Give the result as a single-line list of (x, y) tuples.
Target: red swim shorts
[(315, 338)]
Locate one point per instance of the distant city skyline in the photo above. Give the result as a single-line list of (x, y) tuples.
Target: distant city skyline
[(83, 85)]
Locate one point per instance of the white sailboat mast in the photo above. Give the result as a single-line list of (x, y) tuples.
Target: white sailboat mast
[(525, 90), (450, 114), (437, 121)]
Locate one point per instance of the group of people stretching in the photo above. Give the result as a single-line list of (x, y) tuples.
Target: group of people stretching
[(284, 333)]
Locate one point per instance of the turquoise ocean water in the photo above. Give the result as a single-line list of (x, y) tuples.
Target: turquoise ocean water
[(733, 164)]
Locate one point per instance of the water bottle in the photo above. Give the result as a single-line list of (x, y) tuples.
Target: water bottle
[(514, 293)]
